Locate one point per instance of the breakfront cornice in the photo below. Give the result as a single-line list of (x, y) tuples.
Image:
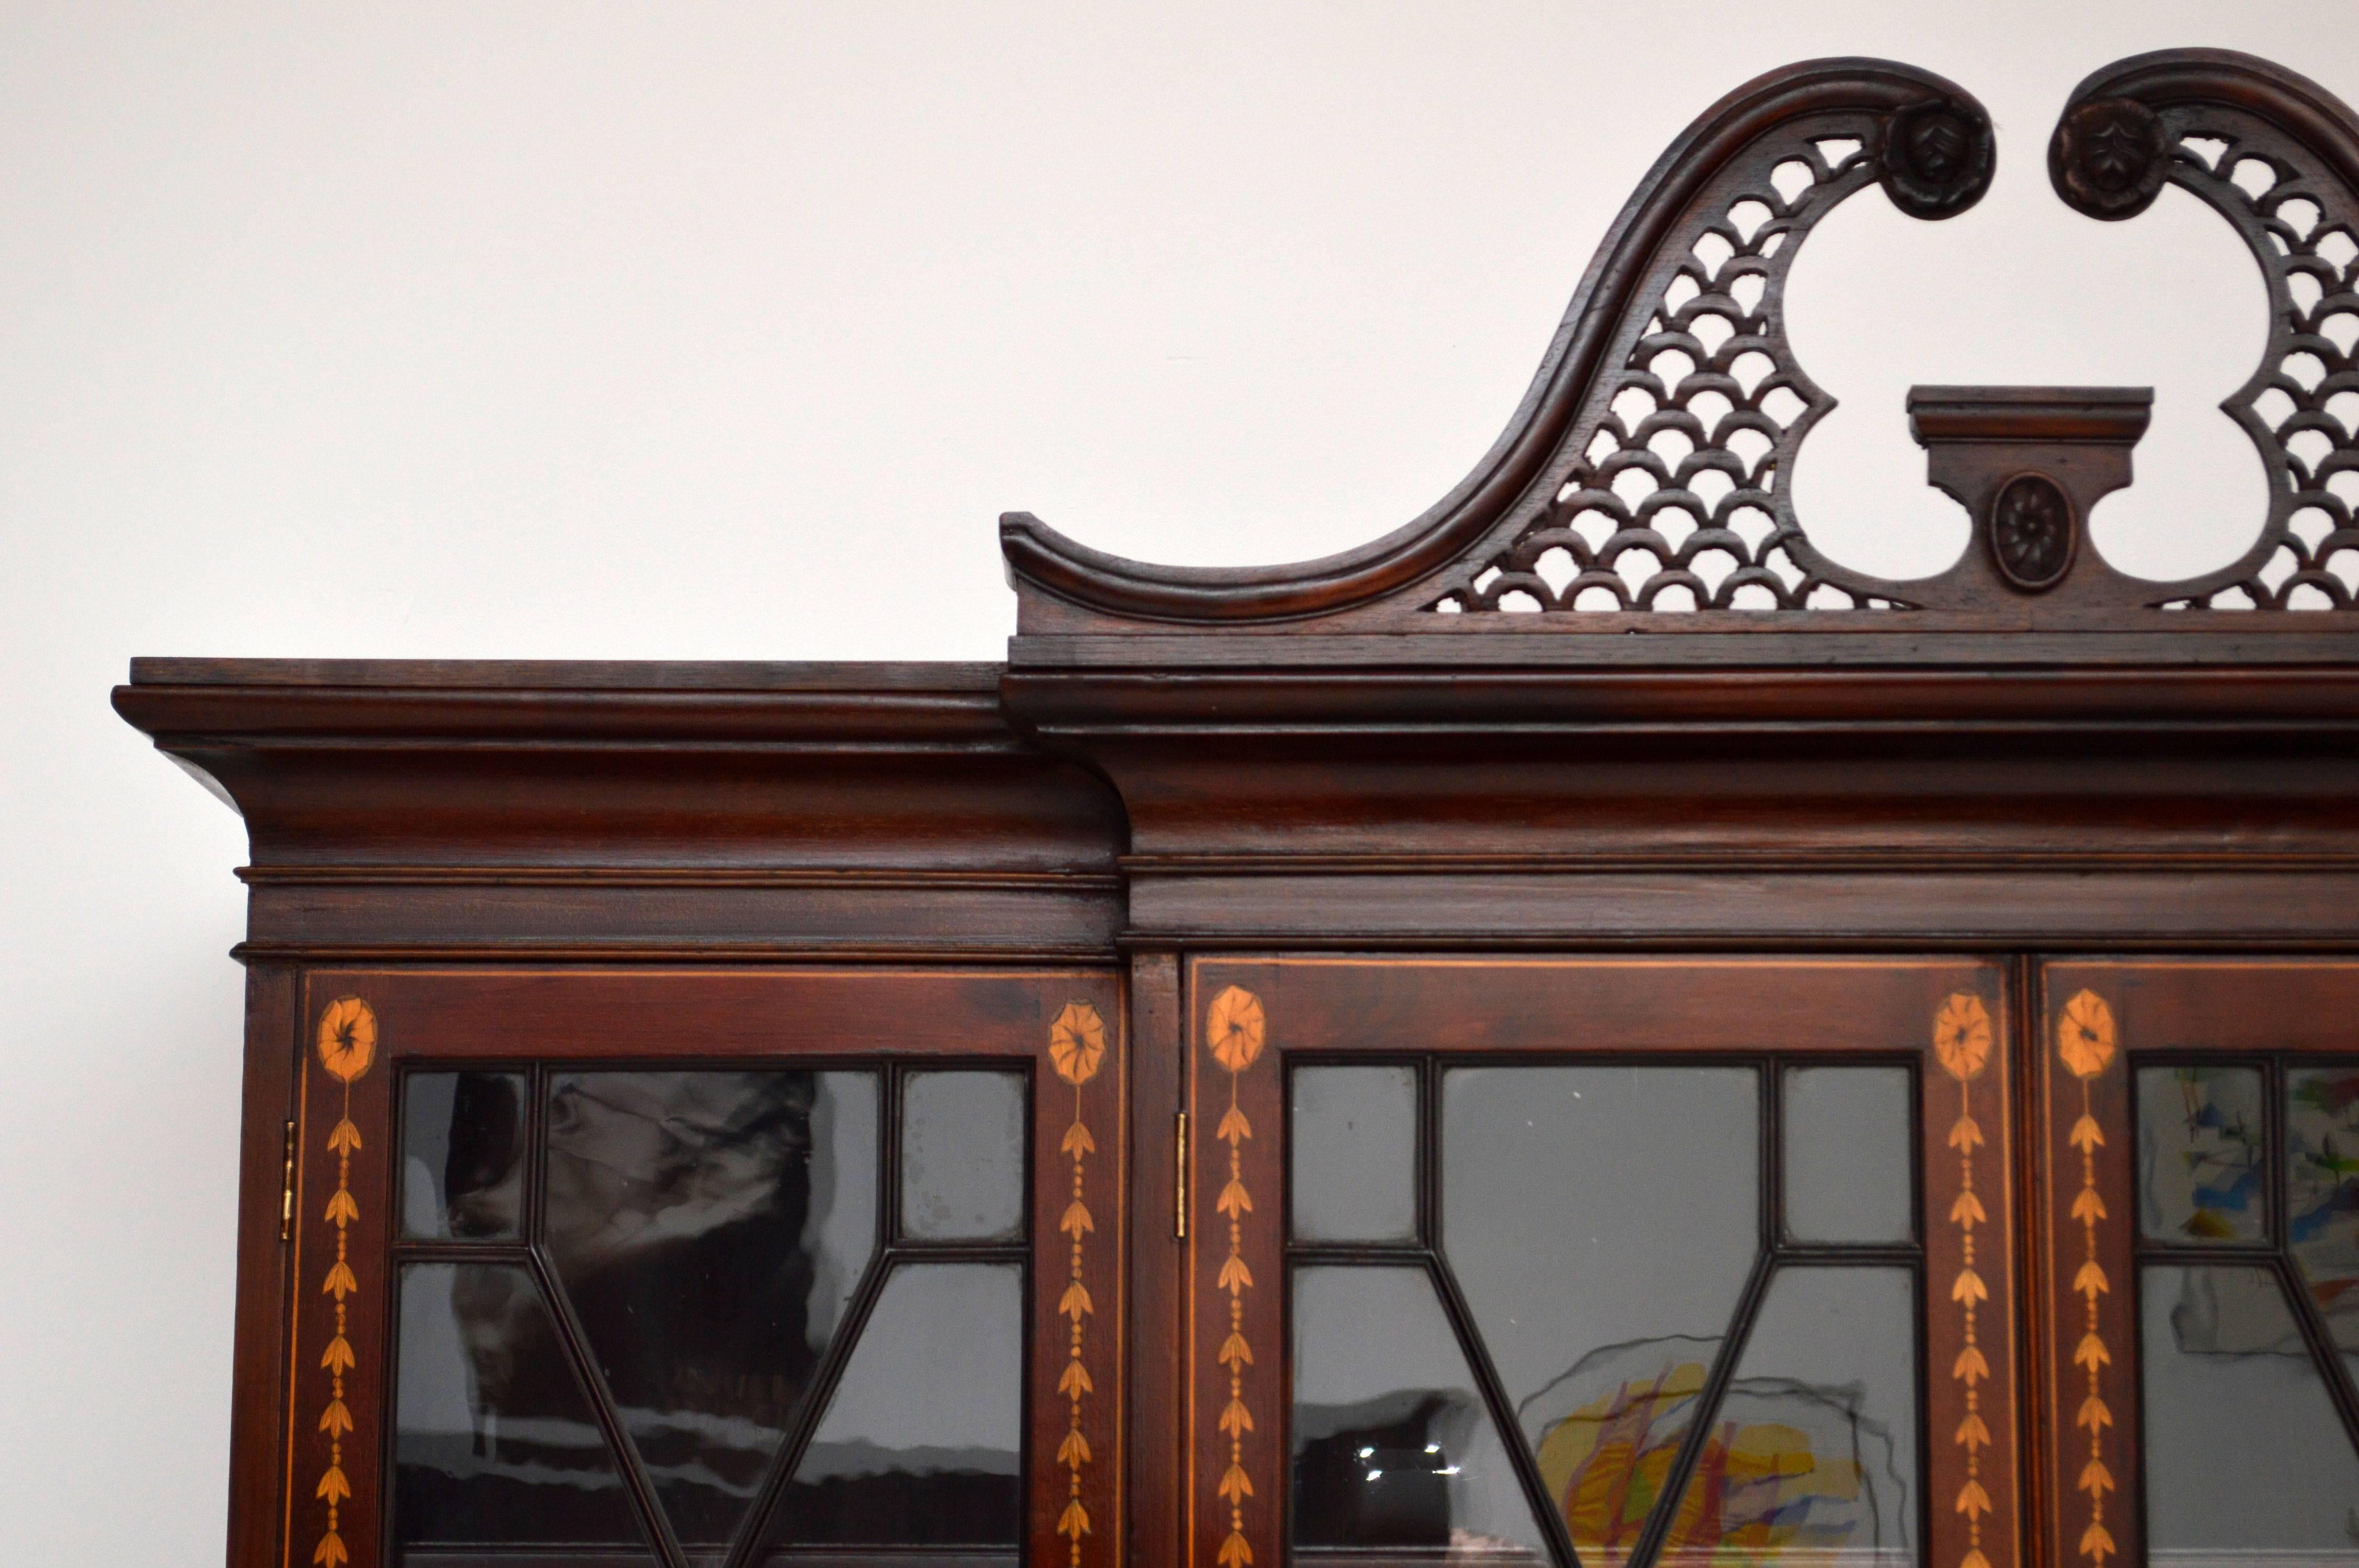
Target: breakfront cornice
[(611, 809), (1608, 691)]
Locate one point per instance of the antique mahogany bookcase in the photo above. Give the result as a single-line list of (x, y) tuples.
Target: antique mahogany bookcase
[(1582, 1032)]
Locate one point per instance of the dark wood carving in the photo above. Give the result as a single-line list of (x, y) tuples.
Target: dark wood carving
[(2278, 157), (2034, 530), (2109, 157), (1681, 498), (2027, 464), (1644, 484)]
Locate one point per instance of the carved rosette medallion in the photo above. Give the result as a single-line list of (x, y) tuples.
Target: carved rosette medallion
[(1077, 1048), (347, 1042), (1234, 1031), (1962, 1042), (2109, 157), (1936, 158), (2086, 1044), (2033, 533)]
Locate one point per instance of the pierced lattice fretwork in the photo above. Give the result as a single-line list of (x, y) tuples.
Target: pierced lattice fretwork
[(1676, 494), (2302, 406)]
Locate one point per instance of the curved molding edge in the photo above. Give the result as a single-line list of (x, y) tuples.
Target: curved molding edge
[(1924, 165)]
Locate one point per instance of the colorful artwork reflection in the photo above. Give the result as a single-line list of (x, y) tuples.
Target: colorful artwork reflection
[(1605, 1463), (2322, 1191), (1789, 1469), (2200, 1152)]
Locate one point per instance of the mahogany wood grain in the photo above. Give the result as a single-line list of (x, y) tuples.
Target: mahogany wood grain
[(2221, 1005), (2088, 1401), (259, 1355), (681, 1015), (1077, 1453), (1607, 1005), (463, 810), (340, 1357), (1234, 1452), (1156, 1347)]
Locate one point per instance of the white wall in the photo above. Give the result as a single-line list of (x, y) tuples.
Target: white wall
[(724, 332)]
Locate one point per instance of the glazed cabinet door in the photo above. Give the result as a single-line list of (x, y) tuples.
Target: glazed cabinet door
[(2198, 1253), (1553, 1261), (705, 1267)]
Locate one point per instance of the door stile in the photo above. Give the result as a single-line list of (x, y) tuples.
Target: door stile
[(2026, 1039), (2090, 1406), (1235, 1284), (267, 1222), (337, 1345), (1074, 1454), (1970, 1365), (1157, 1357)]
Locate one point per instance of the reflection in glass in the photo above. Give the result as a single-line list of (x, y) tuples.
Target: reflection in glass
[(707, 1227), (1355, 1154), (922, 1440), (2322, 1131), (492, 1439), (462, 1154), (2245, 1459), (1813, 1450), (1849, 1154), (1601, 1222), (2200, 1154), (962, 1156), (1393, 1446)]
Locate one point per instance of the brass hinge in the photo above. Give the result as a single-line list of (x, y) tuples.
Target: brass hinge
[(1179, 1186), (286, 1190)]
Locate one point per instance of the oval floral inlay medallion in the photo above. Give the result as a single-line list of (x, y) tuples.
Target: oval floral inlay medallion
[(2031, 532)]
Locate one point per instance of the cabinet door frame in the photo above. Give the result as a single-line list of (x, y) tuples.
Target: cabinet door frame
[(1247, 1016), (361, 1027), (2102, 1018)]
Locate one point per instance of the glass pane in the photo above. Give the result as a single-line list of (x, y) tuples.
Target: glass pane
[(1393, 1445), (1601, 1222), (2245, 1458), (1813, 1451), (962, 1156), (493, 1443), (2200, 1154), (921, 1440), (2322, 1195), (1354, 1155), (462, 1154), (1850, 1154), (707, 1227)]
